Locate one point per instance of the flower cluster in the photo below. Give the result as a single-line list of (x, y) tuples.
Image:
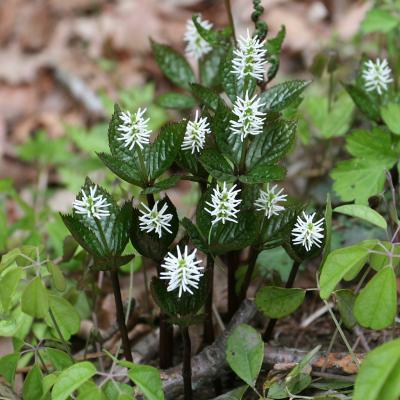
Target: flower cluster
[(268, 201), (308, 233), (195, 134), (250, 120), (91, 205), (249, 58), (377, 75), (155, 220), (134, 129), (223, 206), (183, 271), (196, 46)]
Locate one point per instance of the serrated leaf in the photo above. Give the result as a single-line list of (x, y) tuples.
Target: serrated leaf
[(216, 165), (163, 185), (71, 379), (270, 146), (148, 380), (277, 302), (210, 67), (34, 299), (274, 46), (363, 212), (263, 174), (280, 96), (206, 96), (175, 100), (357, 180), (173, 65), (363, 101), (245, 353), (376, 305), (391, 116), (378, 377)]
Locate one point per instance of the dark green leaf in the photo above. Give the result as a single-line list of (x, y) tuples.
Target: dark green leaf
[(282, 95), (277, 302), (173, 65), (364, 102), (206, 96), (211, 67), (163, 185), (274, 46), (270, 146), (199, 241), (345, 304), (216, 165), (263, 173), (174, 100)]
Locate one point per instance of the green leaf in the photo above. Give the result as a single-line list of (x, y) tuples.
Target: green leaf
[(9, 281), (59, 358), (71, 379), (338, 264), (376, 304), (364, 102), (216, 165), (270, 146), (211, 66), (277, 302), (65, 315), (345, 304), (274, 46), (391, 116), (148, 381), (173, 65), (163, 185), (34, 299), (206, 96), (8, 366), (245, 353), (176, 101), (357, 180), (235, 394), (208, 34), (33, 388), (373, 144), (363, 212), (379, 20), (375, 377), (280, 96), (263, 173), (57, 276)]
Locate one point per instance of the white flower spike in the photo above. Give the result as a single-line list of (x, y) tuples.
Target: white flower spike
[(268, 201), (223, 206), (134, 129), (196, 46), (91, 205), (308, 233), (195, 134), (377, 75), (183, 271), (155, 220), (250, 120), (249, 58)]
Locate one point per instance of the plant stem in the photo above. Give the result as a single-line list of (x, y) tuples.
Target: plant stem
[(249, 273), (208, 326), (230, 17), (289, 284), (120, 315), (186, 366)]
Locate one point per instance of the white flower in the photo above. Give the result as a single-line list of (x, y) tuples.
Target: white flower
[(195, 135), (91, 205), (154, 219), (249, 58), (134, 129), (377, 75), (268, 201), (196, 46), (223, 204), (250, 121), (182, 271), (306, 232)]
